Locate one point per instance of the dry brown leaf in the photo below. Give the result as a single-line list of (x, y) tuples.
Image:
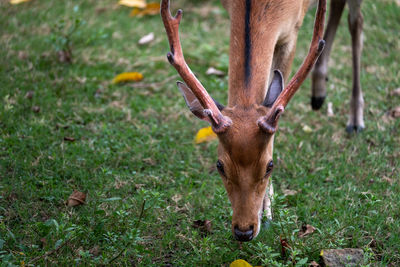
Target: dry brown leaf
[(95, 251), (387, 179), (284, 245), (76, 198), (64, 56), (289, 192), (396, 92), (29, 95), (69, 139), (203, 225), (138, 186), (150, 161), (306, 230), (314, 264), (36, 109), (176, 198), (395, 112), (22, 55)]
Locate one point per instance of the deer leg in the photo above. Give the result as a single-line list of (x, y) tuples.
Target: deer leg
[(320, 72), (268, 200), (356, 119)]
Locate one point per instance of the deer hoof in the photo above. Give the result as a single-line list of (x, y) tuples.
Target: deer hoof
[(354, 129), (316, 102)]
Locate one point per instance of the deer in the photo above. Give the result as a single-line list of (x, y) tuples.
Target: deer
[(263, 35), (355, 122)]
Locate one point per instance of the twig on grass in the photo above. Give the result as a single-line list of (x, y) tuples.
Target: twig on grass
[(48, 253), (141, 214), (136, 226)]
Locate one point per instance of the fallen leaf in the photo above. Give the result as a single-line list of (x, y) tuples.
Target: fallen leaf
[(314, 264), (284, 245), (150, 161), (127, 77), (36, 109), (395, 112), (133, 3), (307, 129), (138, 186), (214, 71), (288, 192), (69, 139), (16, 2), (95, 251), (176, 198), (29, 95), (396, 92), (387, 179), (205, 135), (22, 55), (150, 9), (203, 225), (64, 56), (148, 38), (240, 263), (76, 198), (306, 230)]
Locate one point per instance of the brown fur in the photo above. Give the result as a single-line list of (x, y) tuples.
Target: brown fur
[(244, 149)]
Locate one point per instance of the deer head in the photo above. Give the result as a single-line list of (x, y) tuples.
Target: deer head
[(245, 132)]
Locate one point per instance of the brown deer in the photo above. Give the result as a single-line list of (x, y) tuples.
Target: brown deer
[(262, 47), (319, 74)]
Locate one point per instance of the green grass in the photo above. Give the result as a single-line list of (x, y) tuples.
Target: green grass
[(134, 146)]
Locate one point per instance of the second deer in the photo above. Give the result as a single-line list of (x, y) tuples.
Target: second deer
[(320, 73)]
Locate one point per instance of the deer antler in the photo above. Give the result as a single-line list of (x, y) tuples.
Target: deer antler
[(176, 59), (270, 122)]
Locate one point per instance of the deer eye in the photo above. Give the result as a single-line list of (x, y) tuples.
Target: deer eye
[(220, 167), (270, 166)]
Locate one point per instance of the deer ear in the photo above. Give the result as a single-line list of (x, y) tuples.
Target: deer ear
[(275, 89), (193, 103)]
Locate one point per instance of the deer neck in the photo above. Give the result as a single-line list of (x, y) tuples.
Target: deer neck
[(254, 35)]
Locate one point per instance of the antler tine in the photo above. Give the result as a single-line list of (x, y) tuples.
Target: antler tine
[(269, 122), (176, 59)]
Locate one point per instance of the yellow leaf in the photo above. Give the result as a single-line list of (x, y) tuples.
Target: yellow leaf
[(307, 129), (150, 9), (240, 263), (128, 77), (133, 3), (204, 135), (16, 2)]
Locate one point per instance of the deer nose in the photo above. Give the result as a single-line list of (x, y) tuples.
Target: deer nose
[(244, 236)]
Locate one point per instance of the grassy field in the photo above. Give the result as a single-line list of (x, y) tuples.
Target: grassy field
[(130, 147)]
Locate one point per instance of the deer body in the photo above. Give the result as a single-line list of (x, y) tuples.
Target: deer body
[(320, 72), (262, 46)]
